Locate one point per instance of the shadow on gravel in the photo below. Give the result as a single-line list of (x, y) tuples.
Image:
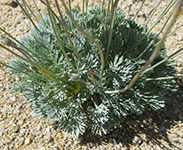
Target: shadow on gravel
[(152, 124)]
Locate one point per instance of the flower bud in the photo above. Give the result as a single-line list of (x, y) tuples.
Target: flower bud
[(8, 42), (75, 77)]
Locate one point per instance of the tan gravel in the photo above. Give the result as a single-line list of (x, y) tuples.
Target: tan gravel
[(21, 130)]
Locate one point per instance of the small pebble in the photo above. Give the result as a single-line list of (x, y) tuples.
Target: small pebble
[(15, 129), (59, 136), (28, 141), (180, 38), (42, 148), (21, 141), (20, 134), (47, 138), (175, 140), (13, 4), (137, 140)]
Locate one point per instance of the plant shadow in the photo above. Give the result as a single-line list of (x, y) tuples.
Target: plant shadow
[(152, 125)]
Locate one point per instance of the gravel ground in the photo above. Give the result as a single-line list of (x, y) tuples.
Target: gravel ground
[(21, 130)]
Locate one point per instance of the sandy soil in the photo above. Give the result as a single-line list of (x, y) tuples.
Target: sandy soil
[(20, 129)]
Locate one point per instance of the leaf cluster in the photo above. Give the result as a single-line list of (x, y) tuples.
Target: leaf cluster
[(94, 109)]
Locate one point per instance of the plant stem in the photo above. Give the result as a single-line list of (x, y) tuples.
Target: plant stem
[(102, 6), (65, 28), (82, 81), (38, 10), (88, 36), (176, 13), (156, 22), (55, 32), (111, 31), (62, 24), (177, 53), (52, 13), (91, 74), (164, 78), (86, 10), (15, 54), (83, 7), (18, 42), (29, 17), (170, 5), (26, 6), (40, 68), (14, 68), (69, 5), (174, 31), (70, 10), (138, 10), (28, 74), (107, 16), (10, 43), (155, 37), (152, 11)]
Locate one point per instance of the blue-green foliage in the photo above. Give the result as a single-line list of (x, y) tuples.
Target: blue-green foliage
[(99, 111)]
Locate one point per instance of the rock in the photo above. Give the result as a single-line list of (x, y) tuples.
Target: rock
[(39, 127), (4, 116), (129, 3), (48, 138), (119, 146), (15, 129), (180, 38), (48, 129), (7, 139), (12, 4), (1, 85), (137, 140), (21, 141), (6, 148), (22, 121), (59, 136), (13, 98), (28, 141), (42, 148), (175, 140)]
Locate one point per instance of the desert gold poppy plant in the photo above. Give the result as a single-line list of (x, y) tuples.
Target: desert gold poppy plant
[(90, 69)]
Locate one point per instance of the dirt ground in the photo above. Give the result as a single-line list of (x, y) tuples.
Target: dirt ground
[(21, 130)]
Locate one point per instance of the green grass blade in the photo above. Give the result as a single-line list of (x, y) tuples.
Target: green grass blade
[(164, 78), (170, 5), (53, 22), (176, 13), (29, 17), (28, 8), (88, 36), (138, 10), (177, 53), (152, 13)]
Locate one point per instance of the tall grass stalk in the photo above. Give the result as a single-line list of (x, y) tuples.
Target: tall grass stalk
[(176, 13), (88, 36)]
